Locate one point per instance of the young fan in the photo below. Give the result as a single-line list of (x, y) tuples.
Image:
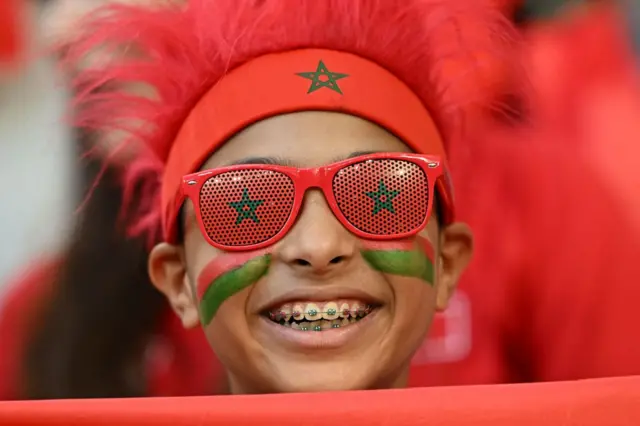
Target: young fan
[(305, 205), (87, 323)]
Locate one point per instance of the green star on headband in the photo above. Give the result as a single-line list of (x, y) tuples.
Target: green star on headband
[(322, 77)]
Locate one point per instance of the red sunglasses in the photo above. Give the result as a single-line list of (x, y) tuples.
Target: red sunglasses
[(378, 196)]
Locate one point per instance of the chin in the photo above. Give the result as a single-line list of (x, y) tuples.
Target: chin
[(331, 377)]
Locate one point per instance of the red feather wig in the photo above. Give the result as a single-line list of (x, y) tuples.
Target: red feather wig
[(444, 51)]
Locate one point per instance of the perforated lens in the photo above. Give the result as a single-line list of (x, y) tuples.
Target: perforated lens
[(245, 207), (383, 197)]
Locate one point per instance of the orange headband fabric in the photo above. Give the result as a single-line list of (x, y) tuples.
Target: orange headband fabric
[(287, 82)]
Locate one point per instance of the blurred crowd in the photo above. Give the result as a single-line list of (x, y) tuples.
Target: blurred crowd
[(550, 295)]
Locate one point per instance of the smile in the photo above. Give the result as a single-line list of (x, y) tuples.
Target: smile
[(328, 325), (315, 316)]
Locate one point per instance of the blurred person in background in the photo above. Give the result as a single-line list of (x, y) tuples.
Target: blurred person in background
[(557, 300), (66, 327), (585, 72), (31, 132)]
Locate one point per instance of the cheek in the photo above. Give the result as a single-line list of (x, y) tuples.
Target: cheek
[(431, 233), (413, 311), (226, 276), (227, 332), (414, 301), (223, 288), (409, 267)]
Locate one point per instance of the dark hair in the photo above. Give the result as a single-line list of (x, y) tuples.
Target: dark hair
[(92, 334)]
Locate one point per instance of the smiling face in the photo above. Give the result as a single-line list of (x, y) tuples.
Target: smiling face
[(321, 309)]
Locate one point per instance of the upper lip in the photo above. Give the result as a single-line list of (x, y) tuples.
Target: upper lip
[(321, 294)]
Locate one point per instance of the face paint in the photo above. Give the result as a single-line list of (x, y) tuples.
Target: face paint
[(225, 276), (408, 258)]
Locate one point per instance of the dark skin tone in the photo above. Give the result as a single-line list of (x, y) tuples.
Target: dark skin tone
[(317, 256)]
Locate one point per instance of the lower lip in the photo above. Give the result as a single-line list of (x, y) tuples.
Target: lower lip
[(333, 338)]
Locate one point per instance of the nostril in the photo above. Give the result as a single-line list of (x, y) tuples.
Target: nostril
[(334, 261)]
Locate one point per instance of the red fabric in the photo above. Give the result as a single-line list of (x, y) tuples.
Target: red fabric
[(178, 361), (612, 402)]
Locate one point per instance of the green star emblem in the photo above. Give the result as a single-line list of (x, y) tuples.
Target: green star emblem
[(246, 207), (322, 77), (383, 198)]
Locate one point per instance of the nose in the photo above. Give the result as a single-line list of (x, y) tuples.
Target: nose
[(317, 243)]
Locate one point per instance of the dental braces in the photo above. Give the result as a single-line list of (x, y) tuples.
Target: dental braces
[(319, 328), (278, 316)]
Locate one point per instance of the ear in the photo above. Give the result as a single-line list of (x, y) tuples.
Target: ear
[(454, 254), (169, 275)]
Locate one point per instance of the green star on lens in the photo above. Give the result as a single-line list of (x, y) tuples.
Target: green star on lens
[(383, 198), (246, 208)]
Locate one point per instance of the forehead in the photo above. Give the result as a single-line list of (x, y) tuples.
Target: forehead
[(306, 139)]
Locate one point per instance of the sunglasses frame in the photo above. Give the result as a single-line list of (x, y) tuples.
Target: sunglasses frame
[(321, 178)]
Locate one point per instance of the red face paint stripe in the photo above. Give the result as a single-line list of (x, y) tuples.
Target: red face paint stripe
[(222, 264)]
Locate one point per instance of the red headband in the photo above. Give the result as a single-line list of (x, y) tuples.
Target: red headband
[(300, 80)]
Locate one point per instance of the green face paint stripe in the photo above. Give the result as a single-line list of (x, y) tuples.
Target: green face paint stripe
[(401, 262), (231, 283)]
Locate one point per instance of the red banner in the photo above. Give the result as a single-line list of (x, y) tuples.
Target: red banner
[(607, 402)]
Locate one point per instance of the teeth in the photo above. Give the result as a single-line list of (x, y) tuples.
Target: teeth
[(298, 312), (312, 312), (355, 309), (331, 314), (316, 326), (344, 310), (330, 311), (286, 312)]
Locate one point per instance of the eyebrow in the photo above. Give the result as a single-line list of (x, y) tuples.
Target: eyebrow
[(276, 161), (281, 161)]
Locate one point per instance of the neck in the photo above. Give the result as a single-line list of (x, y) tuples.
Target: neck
[(398, 379)]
